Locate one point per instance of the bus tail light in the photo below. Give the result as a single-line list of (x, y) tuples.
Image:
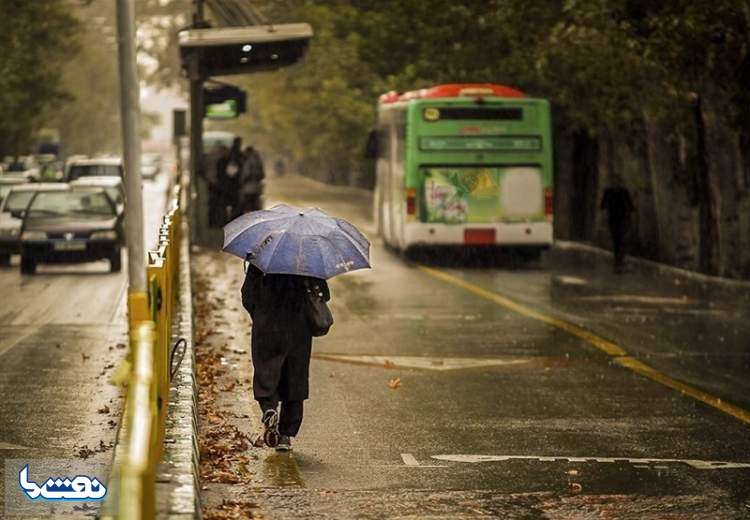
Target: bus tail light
[(411, 201), (548, 202)]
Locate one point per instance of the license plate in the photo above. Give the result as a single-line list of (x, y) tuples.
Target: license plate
[(70, 246), (479, 237)]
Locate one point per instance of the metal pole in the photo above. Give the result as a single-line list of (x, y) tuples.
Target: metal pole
[(131, 147), (195, 74)]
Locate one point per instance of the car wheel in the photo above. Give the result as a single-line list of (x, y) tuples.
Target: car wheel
[(4, 260), (115, 262), (28, 264)]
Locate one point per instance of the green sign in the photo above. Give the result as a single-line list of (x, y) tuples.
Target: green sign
[(225, 110), (482, 143)]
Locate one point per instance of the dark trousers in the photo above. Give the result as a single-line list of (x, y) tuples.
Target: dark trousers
[(290, 416), (618, 229)]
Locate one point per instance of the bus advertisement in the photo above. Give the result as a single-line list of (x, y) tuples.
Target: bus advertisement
[(464, 164)]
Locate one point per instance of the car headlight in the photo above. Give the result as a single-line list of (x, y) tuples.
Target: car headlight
[(34, 235), (104, 235)]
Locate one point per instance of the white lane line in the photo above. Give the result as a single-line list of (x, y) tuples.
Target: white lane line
[(695, 463), (422, 362), (570, 280), (409, 459)]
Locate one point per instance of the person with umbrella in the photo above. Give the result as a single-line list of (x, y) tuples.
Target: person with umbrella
[(291, 254)]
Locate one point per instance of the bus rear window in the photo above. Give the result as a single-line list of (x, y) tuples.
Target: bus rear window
[(473, 114)]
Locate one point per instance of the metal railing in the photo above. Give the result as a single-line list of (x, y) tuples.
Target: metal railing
[(143, 424)]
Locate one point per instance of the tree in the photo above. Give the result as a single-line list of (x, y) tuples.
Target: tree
[(35, 40)]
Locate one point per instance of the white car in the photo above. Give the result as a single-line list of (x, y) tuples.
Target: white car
[(94, 167), (24, 165), (112, 186), (11, 215)]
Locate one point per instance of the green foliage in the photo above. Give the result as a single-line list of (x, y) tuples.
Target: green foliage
[(89, 120), (604, 64), (35, 40)]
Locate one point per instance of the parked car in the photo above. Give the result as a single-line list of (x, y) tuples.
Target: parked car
[(94, 167), (23, 165), (112, 185), (75, 225), (150, 165), (13, 205)]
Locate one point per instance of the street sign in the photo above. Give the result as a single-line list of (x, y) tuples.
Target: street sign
[(239, 50), (225, 110), (224, 101)]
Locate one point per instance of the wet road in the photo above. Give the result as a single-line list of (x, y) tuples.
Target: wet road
[(62, 331), (522, 393)]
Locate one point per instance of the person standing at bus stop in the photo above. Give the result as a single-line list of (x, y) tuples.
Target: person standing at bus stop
[(617, 202)]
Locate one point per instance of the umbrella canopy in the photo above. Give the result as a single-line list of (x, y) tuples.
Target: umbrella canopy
[(289, 240)]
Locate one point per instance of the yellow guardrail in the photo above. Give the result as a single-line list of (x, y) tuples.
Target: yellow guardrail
[(143, 424)]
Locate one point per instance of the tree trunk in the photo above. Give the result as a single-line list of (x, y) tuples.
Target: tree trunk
[(584, 194), (725, 166), (708, 233), (676, 217)]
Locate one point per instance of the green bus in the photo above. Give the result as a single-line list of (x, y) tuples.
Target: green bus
[(463, 164)]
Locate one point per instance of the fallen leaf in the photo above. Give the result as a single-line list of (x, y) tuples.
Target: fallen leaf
[(395, 383), (103, 409)]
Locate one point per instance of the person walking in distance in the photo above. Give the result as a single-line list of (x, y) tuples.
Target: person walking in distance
[(251, 181), (617, 202), (281, 347)]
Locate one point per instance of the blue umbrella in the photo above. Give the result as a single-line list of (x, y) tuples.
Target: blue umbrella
[(289, 240)]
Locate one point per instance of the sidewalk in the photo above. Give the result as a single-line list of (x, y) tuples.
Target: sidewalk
[(231, 469)]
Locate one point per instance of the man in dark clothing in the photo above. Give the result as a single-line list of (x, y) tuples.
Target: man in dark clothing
[(251, 180), (228, 179), (281, 348), (616, 200)]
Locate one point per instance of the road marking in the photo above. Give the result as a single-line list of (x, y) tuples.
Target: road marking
[(571, 280), (612, 349), (420, 362), (694, 463), (409, 459), (636, 298)]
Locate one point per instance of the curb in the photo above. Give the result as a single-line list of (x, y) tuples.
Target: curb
[(591, 255), (177, 476)]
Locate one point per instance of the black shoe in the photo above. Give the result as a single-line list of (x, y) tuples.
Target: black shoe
[(271, 423), (284, 444)]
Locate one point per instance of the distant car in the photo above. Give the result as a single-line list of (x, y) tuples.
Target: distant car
[(13, 205), (111, 185), (75, 225), (24, 165), (94, 167), (150, 165)]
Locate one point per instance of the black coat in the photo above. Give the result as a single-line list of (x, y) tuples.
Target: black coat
[(281, 339)]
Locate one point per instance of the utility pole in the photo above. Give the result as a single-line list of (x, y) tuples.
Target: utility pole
[(195, 75), (131, 147)]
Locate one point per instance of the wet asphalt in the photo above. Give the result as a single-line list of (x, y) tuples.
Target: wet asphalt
[(497, 414), (62, 333)]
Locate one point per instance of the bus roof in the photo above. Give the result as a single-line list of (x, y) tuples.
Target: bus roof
[(451, 90)]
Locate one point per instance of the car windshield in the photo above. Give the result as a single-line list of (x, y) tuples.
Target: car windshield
[(17, 201), (93, 170), (71, 204), (17, 166)]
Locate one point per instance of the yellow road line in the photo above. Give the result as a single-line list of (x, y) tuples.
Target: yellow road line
[(614, 350)]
